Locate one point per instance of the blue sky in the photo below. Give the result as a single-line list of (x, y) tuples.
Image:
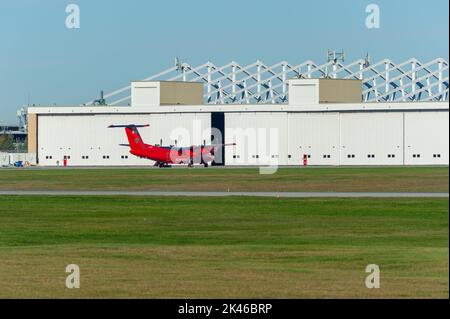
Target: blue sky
[(124, 40)]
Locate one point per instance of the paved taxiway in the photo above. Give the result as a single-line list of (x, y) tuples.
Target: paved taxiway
[(224, 194)]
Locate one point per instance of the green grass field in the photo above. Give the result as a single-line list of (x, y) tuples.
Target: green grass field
[(339, 179), (147, 247)]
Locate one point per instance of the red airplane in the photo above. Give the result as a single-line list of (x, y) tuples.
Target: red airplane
[(166, 155)]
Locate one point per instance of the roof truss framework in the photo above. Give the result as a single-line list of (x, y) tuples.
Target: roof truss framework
[(257, 82)]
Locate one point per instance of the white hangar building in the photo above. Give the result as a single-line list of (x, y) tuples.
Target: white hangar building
[(325, 121)]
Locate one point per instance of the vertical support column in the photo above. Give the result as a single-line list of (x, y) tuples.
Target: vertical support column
[(375, 90), (361, 68), (233, 79), (283, 77), (334, 70), (219, 92), (208, 88), (271, 92), (183, 71), (258, 78), (413, 79), (361, 77), (246, 95), (440, 77), (402, 89), (386, 71)]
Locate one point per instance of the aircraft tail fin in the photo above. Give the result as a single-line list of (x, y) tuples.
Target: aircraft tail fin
[(134, 138)]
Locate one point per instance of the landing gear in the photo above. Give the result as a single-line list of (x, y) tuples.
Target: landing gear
[(162, 165), (205, 164)]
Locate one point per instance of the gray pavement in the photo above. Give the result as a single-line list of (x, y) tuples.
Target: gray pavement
[(224, 194)]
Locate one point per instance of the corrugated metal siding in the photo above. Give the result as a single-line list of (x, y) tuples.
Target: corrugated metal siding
[(371, 138), (81, 136), (315, 135), (426, 138), (262, 138)]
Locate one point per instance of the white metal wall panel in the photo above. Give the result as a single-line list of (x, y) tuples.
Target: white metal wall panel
[(371, 138), (145, 94), (315, 135), (261, 138), (87, 140), (426, 138)]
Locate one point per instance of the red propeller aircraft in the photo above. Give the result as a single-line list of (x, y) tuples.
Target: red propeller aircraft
[(166, 155)]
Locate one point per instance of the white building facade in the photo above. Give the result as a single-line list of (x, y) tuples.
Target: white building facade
[(304, 132)]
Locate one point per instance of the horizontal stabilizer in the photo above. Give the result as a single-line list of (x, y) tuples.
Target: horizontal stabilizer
[(124, 145), (128, 125)]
